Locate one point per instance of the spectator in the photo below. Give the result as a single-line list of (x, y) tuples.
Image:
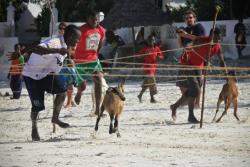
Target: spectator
[(86, 58), (15, 73), (193, 28), (240, 38), (151, 52)]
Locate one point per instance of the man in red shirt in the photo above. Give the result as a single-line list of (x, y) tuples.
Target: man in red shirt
[(196, 57), (151, 53), (87, 62)]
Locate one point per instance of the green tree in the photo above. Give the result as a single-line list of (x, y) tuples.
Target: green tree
[(43, 21), (3, 11), (76, 10)]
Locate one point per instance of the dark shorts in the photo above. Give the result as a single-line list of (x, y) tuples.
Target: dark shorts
[(16, 85), (190, 79), (150, 82), (36, 89)]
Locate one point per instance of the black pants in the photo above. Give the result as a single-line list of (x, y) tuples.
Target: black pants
[(16, 85)]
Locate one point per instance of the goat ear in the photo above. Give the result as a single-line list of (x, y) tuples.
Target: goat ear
[(120, 85), (122, 81)]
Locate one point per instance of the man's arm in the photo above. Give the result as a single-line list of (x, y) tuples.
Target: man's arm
[(222, 61), (36, 49), (184, 34), (42, 50)]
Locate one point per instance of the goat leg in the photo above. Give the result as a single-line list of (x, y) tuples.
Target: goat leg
[(235, 104), (99, 117), (116, 127), (111, 130), (218, 106), (227, 105)]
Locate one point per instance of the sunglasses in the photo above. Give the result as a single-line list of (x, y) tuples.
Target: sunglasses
[(189, 18)]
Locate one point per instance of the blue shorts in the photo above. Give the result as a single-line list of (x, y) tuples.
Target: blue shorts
[(68, 76), (37, 88)]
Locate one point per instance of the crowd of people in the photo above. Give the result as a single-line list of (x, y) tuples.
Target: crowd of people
[(76, 52)]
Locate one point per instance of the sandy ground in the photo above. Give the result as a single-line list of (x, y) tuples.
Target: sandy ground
[(148, 135)]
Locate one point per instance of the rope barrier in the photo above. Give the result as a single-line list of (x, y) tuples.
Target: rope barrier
[(140, 55), (167, 67), (159, 66), (158, 76)]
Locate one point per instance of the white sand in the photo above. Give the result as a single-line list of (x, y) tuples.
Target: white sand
[(148, 136)]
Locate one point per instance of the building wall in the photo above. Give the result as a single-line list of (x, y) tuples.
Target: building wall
[(6, 45), (169, 41), (5, 29)]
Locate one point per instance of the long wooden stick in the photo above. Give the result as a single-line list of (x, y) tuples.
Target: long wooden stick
[(205, 72)]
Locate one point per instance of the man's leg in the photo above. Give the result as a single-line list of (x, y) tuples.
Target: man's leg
[(36, 95), (192, 93), (191, 117), (143, 89), (97, 78), (180, 102), (70, 101), (152, 91), (58, 103), (239, 52), (80, 89), (34, 131)]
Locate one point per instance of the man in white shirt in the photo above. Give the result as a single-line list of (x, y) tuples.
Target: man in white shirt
[(41, 74)]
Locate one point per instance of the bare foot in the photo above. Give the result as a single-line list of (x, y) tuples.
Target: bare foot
[(67, 106), (153, 101), (73, 104), (192, 119)]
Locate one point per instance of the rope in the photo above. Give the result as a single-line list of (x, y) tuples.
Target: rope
[(159, 76), (162, 67), (140, 55)]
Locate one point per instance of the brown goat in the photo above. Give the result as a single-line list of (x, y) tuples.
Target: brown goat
[(113, 103), (229, 94)]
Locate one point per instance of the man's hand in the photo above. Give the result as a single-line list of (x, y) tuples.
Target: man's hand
[(181, 31), (63, 51), (70, 63), (71, 52)]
